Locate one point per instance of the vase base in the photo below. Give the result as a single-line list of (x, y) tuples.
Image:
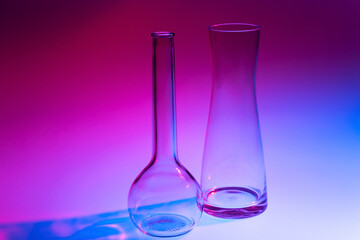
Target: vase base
[(166, 225), (234, 203)]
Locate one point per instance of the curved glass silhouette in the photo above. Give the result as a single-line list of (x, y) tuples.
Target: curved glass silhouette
[(165, 200), (233, 172)]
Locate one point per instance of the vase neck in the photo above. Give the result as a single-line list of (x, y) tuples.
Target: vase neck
[(164, 96)]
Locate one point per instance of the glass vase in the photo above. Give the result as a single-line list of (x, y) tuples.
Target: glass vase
[(233, 172), (165, 200)]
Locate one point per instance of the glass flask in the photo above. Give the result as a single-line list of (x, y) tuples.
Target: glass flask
[(233, 171), (165, 200)]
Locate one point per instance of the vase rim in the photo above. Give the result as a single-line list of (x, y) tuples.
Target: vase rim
[(163, 34), (234, 27)]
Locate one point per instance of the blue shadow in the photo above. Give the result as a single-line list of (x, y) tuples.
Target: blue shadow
[(114, 225)]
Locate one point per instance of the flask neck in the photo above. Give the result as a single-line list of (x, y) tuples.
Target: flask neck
[(164, 96)]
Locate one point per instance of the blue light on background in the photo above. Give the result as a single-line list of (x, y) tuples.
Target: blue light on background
[(75, 114)]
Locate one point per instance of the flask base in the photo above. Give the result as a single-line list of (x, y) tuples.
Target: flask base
[(234, 202), (166, 225)]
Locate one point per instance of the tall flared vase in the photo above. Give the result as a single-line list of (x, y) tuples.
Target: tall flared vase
[(233, 172)]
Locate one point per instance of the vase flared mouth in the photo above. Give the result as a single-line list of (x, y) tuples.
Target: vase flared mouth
[(163, 34), (234, 27)]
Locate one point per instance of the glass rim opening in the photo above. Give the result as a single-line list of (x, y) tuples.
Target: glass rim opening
[(162, 34), (234, 27)]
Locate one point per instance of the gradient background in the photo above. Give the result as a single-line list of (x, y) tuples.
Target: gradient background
[(76, 113)]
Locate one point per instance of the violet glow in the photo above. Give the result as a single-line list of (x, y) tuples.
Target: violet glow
[(75, 108)]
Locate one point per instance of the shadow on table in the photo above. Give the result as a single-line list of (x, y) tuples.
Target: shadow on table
[(114, 225)]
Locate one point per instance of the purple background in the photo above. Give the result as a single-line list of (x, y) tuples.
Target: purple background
[(76, 113)]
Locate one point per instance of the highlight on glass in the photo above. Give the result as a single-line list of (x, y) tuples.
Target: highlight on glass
[(233, 172), (165, 200)]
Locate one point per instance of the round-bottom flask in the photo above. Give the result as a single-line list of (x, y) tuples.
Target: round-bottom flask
[(165, 200)]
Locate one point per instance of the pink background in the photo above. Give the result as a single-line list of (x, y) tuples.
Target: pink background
[(76, 113)]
